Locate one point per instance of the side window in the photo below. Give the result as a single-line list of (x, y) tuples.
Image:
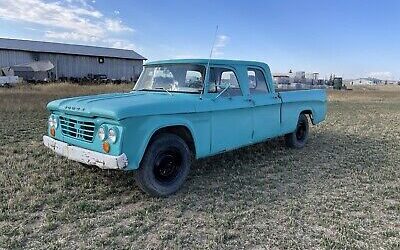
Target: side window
[(252, 79), (228, 77), (257, 82), (221, 78)]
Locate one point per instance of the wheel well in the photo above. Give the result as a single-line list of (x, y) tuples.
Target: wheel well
[(308, 112), (179, 130)]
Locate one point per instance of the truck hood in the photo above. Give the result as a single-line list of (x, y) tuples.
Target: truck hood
[(118, 106)]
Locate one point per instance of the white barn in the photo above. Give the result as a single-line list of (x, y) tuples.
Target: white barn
[(73, 61)]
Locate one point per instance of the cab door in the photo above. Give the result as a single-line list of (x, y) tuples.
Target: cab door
[(231, 112), (267, 106)]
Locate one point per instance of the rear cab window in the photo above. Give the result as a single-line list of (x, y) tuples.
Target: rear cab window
[(257, 81)]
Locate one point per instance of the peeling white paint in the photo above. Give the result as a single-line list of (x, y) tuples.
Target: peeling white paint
[(86, 156)]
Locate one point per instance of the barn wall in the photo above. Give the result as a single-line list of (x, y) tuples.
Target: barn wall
[(75, 65), (12, 57), (138, 68), (81, 66)]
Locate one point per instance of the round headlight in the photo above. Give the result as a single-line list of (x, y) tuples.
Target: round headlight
[(50, 121), (112, 134), (53, 121), (102, 133)]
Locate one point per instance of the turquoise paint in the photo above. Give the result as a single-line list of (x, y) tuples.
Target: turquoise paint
[(216, 124)]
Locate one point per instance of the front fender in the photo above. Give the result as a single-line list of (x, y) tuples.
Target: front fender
[(139, 130)]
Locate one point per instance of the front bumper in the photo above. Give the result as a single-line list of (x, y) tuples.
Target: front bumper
[(86, 156)]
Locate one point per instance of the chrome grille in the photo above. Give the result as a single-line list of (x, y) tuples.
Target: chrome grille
[(75, 128)]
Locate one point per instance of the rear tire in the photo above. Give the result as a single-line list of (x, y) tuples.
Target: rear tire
[(165, 166), (299, 137)]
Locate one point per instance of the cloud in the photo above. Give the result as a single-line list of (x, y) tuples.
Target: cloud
[(85, 3), (70, 36), (115, 25), (121, 44), (65, 21), (220, 43), (382, 75)]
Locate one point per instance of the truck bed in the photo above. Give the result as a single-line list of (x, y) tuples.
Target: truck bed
[(294, 101), (298, 88)]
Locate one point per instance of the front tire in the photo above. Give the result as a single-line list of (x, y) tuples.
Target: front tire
[(299, 137), (165, 166)]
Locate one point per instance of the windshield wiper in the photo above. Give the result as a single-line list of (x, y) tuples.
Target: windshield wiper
[(169, 92), (164, 90)]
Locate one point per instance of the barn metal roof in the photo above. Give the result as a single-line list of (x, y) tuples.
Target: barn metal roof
[(61, 48)]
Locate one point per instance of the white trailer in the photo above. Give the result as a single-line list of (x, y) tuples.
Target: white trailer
[(9, 80)]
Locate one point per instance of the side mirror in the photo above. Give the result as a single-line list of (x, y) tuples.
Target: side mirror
[(223, 91)]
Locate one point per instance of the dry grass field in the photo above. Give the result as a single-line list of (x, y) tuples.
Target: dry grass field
[(341, 192)]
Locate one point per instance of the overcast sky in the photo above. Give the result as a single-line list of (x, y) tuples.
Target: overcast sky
[(352, 38)]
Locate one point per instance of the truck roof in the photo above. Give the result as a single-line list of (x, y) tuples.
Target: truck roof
[(212, 61)]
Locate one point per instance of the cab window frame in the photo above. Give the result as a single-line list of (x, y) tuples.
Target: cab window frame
[(254, 69), (224, 69)]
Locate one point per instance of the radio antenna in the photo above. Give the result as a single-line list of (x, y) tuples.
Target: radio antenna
[(208, 62)]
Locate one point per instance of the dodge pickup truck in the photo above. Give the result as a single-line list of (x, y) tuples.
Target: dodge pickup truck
[(180, 110)]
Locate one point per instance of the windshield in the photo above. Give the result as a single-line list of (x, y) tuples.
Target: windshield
[(186, 78)]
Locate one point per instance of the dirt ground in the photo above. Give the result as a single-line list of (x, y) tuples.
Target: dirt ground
[(341, 191)]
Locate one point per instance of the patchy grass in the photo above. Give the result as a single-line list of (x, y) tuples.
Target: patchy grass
[(341, 191)]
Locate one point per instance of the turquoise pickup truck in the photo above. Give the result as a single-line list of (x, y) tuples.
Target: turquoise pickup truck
[(178, 111)]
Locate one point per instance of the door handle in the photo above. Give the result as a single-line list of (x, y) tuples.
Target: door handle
[(251, 101)]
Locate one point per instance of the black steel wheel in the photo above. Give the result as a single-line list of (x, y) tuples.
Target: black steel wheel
[(167, 165), (302, 130), (299, 137), (164, 166)]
